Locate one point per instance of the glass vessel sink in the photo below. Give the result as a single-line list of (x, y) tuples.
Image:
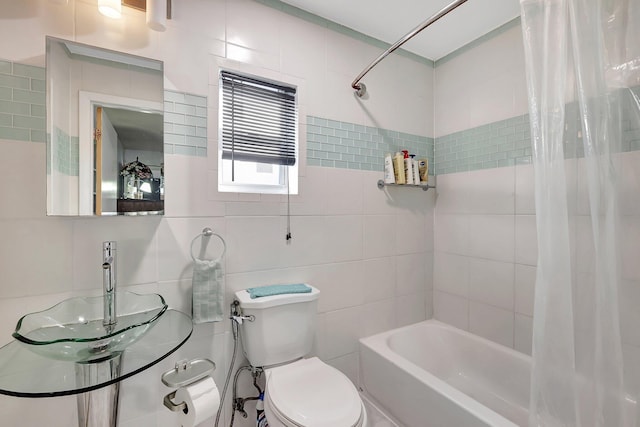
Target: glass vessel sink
[(73, 330)]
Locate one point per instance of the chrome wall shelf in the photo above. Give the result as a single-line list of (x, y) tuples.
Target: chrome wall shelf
[(425, 187)]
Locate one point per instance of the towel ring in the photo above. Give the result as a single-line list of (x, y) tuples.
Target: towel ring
[(207, 232)]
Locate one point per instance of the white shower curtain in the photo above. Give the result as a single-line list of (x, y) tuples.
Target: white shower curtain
[(583, 77)]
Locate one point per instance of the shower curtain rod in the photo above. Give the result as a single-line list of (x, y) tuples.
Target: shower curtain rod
[(360, 88)]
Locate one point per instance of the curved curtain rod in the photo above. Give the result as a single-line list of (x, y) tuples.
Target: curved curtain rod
[(360, 88)]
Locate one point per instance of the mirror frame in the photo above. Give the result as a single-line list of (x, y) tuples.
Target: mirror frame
[(86, 152), (89, 97)]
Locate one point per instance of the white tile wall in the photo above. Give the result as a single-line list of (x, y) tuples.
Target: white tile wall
[(451, 273), (378, 317), (492, 282), (485, 221), (14, 155), (36, 256), (379, 278), (451, 230), (491, 237), (492, 323), (379, 235), (525, 283), (523, 333), (485, 235), (494, 69), (368, 251), (452, 309), (485, 253), (410, 309), (411, 274), (525, 190), (526, 241)]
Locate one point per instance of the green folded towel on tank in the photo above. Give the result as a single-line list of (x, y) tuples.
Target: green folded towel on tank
[(267, 291)]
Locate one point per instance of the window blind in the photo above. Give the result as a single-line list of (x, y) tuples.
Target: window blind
[(258, 120)]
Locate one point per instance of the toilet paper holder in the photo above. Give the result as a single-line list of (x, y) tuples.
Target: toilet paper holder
[(184, 373)]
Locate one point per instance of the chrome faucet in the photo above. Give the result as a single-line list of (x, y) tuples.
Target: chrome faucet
[(109, 282)]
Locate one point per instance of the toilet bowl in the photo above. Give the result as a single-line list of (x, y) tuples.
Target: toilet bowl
[(277, 335), (310, 393)]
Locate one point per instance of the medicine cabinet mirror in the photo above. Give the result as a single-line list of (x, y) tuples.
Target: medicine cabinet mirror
[(105, 148)]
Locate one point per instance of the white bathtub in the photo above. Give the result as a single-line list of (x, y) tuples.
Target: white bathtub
[(434, 375)]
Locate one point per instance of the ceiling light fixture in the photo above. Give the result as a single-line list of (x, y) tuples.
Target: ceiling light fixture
[(157, 11), (110, 8)]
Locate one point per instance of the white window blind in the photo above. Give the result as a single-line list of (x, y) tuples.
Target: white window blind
[(258, 120)]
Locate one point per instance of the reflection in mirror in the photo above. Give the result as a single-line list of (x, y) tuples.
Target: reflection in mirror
[(105, 150)]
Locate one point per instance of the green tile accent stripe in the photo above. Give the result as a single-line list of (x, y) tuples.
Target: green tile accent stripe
[(502, 143), (22, 100), (508, 142), (336, 144), (65, 158), (22, 117), (323, 22), (185, 124)]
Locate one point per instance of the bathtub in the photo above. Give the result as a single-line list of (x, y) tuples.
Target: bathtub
[(432, 374)]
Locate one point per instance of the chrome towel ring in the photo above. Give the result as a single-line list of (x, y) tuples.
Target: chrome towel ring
[(205, 235)]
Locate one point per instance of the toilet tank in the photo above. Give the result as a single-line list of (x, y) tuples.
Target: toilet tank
[(283, 329)]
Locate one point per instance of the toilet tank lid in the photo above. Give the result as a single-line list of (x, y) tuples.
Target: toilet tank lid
[(271, 301)]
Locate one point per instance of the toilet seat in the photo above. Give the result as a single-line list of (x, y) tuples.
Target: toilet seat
[(310, 393)]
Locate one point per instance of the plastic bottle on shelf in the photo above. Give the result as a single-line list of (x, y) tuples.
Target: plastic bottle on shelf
[(423, 166), (389, 176), (408, 168), (415, 169), (398, 167)]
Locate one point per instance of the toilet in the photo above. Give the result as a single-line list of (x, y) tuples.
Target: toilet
[(300, 391)]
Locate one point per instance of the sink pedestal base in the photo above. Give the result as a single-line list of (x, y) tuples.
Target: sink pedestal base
[(99, 408)]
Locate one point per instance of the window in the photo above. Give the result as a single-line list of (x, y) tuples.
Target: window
[(258, 148)]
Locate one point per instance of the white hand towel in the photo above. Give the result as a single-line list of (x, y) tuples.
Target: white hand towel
[(208, 291)]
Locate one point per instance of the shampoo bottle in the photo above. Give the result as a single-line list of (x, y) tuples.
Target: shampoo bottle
[(415, 169), (408, 167), (389, 176), (398, 167), (423, 165)]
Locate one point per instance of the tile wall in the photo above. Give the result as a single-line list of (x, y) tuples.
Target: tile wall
[(485, 221), (22, 98), (332, 143), (498, 144), (369, 251), (380, 258), (22, 116), (485, 249), (65, 159), (185, 124), (508, 142)]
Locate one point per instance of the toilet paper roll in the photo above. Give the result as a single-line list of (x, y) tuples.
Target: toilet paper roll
[(202, 399)]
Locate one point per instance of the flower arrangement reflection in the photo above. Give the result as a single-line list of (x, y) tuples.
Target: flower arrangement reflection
[(137, 169), (133, 173)]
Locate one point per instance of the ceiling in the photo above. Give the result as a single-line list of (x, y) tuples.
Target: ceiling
[(389, 20), (137, 130)]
